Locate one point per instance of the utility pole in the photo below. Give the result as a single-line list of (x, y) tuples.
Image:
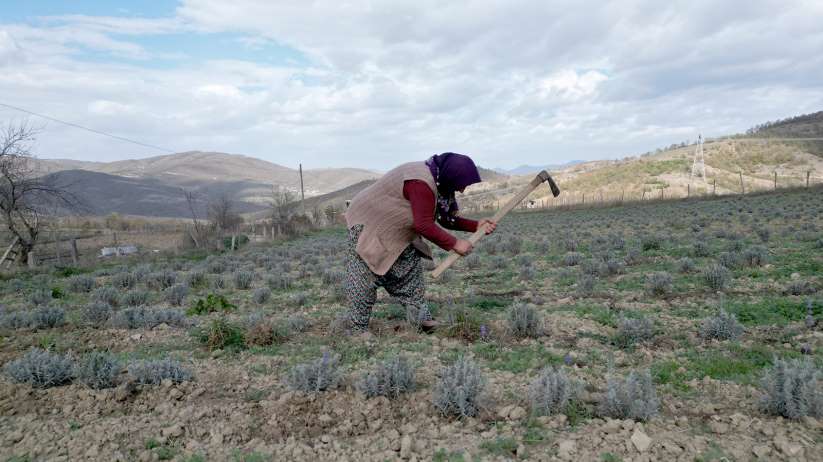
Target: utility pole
[(302, 192)]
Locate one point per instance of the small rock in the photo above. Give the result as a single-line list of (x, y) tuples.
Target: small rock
[(175, 394), (612, 426), (136, 336), (521, 451), (641, 440), (566, 448), (124, 391), (175, 431), (761, 451), (15, 436), (503, 412), (671, 447), (627, 424), (166, 383), (786, 447), (93, 452), (719, 428), (325, 439), (405, 447), (375, 425), (682, 421), (517, 413)]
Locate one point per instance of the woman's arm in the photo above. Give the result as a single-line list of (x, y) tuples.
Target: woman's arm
[(422, 202), (460, 224)]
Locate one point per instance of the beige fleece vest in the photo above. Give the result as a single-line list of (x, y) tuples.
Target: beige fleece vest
[(386, 216)]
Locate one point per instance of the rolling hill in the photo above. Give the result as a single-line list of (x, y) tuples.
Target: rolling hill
[(781, 147), (197, 169), (102, 194)]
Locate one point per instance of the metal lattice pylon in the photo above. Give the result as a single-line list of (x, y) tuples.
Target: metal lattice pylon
[(699, 166)]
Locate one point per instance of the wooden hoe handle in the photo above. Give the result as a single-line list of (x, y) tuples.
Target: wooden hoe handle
[(481, 231)]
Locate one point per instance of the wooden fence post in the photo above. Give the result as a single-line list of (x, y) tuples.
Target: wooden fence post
[(775, 180), (232, 242), (714, 187), (808, 172), (742, 188), (57, 247), (689, 190), (74, 251), (32, 262)]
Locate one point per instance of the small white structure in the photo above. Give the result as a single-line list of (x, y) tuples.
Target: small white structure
[(118, 251)]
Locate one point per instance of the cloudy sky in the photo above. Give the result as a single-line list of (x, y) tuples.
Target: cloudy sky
[(374, 83)]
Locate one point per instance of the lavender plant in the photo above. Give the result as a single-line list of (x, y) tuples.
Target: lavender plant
[(551, 391), (793, 389), (391, 378), (632, 397), (459, 389), (319, 375), (40, 369)]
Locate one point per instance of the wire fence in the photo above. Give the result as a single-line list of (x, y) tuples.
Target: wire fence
[(744, 185)]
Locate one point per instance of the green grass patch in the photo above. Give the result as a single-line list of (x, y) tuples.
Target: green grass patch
[(609, 457), (500, 446), (772, 310), (577, 412), (535, 433), (516, 359), (210, 304), (442, 455), (488, 304), (732, 362)]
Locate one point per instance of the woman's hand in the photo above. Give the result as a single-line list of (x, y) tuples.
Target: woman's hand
[(490, 225), (463, 247)]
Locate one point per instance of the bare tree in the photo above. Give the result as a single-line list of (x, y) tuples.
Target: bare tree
[(25, 196), (198, 234), (282, 203), (221, 213)]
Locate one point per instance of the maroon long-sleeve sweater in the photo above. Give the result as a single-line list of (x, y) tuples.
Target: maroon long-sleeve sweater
[(422, 202)]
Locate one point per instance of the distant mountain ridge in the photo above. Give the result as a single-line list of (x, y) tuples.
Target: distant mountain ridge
[(191, 169), (155, 186)]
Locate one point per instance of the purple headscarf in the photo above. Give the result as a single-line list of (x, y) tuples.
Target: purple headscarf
[(452, 172)]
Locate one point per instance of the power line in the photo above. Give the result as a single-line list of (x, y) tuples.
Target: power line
[(98, 132)]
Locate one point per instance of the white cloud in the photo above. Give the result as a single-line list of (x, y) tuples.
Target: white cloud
[(523, 81)]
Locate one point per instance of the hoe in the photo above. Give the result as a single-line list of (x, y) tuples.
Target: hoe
[(540, 178)]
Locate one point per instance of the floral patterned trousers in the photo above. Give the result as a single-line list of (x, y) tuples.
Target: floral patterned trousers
[(403, 281)]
